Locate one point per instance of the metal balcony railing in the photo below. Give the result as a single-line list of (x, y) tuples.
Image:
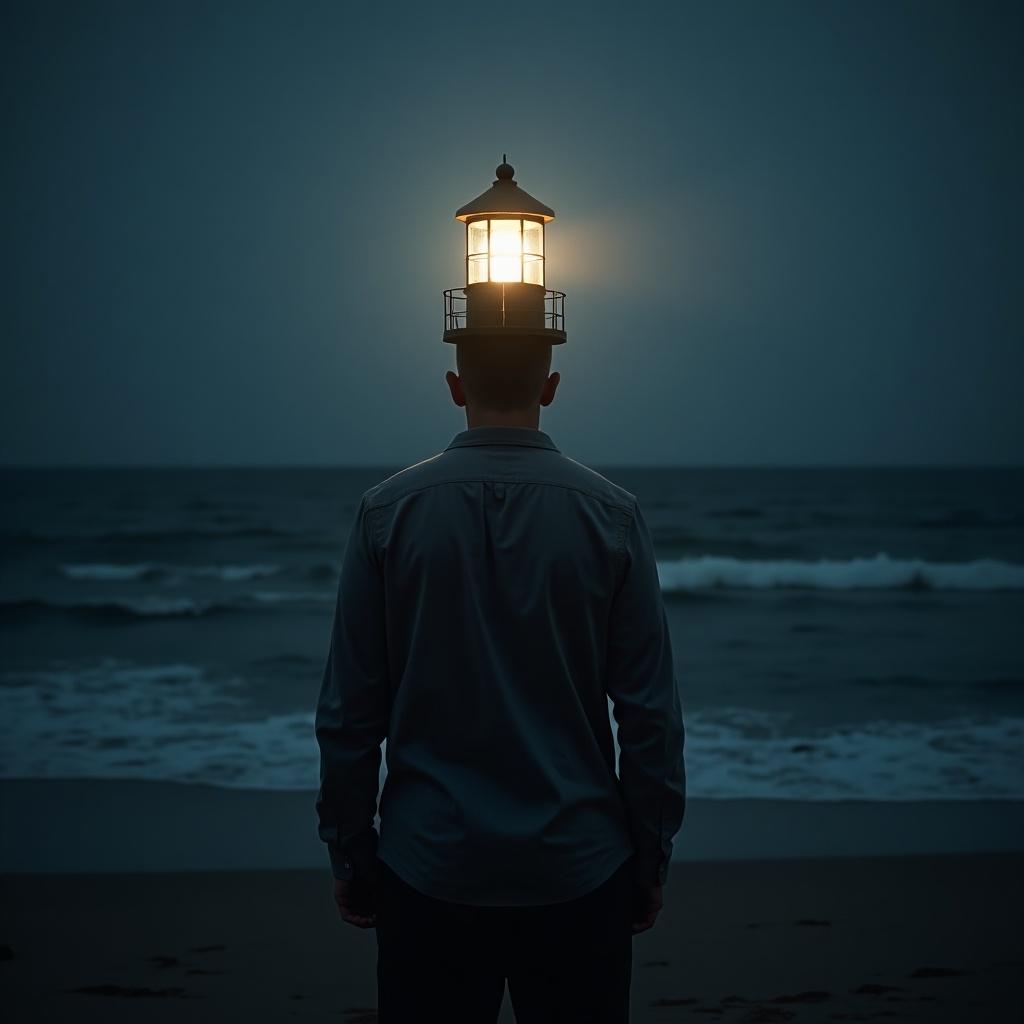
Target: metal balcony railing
[(455, 311)]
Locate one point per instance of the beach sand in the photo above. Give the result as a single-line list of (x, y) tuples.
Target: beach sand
[(904, 938), (125, 900)]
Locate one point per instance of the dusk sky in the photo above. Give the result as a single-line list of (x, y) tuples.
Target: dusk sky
[(790, 233)]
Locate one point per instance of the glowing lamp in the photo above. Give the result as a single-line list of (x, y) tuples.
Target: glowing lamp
[(504, 294)]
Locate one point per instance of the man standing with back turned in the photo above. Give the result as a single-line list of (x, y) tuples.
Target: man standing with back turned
[(492, 600)]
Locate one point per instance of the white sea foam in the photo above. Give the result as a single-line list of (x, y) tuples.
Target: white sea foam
[(174, 722), (104, 572), (166, 722), (740, 753), (879, 572), (108, 573)]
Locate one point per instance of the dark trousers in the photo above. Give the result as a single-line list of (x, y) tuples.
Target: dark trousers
[(565, 962)]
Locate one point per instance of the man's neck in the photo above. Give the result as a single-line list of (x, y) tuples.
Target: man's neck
[(529, 418)]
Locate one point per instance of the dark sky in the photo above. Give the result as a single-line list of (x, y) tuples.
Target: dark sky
[(789, 232)]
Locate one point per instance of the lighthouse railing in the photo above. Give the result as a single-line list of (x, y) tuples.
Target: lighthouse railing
[(455, 310)]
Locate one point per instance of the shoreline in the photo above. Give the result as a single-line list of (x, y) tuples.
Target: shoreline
[(56, 826)]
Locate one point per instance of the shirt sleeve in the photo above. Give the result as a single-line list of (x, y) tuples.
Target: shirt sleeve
[(353, 708), (646, 705)]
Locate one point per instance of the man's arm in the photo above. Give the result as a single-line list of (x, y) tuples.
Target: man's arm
[(645, 702), (352, 710)]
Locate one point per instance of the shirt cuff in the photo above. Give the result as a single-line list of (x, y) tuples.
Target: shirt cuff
[(341, 863), (356, 860), (650, 870)]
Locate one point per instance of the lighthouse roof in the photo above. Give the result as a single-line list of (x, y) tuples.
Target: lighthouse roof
[(504, 198)]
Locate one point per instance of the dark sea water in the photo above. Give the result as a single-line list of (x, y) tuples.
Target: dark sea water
[(838, 632)]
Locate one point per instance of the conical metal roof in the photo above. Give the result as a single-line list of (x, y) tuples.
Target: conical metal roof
[(505, 197)]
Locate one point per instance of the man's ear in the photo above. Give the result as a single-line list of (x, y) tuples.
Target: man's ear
[(547, 394), (455, 387)]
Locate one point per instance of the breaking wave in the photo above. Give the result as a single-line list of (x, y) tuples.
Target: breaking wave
[(178, 722), (118, 572), (879, 572)]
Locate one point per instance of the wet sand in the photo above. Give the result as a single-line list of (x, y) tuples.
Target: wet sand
[(904, 938)]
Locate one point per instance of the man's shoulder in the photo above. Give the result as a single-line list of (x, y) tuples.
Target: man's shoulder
[(405, 481), (576, 474), (451, 466)]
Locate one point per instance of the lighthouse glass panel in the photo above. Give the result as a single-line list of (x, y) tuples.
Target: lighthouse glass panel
[(476, 251), (505, 250), (477, 237), (477, 269), (533, 252)]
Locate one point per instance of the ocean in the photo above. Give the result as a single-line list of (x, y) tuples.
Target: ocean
[(839, 633)]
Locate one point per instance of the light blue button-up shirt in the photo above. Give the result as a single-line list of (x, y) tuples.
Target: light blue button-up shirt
[(492, 600)]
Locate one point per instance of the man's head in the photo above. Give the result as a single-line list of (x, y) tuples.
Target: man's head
[(503, 380)]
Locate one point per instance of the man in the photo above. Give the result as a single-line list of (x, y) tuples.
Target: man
[(492, 600)]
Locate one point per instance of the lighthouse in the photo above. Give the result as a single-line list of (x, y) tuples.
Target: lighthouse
[(505, 294)]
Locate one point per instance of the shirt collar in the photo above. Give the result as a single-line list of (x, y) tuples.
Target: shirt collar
[(521, 436)]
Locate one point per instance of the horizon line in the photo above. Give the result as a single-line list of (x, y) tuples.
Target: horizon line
[(278, 466)]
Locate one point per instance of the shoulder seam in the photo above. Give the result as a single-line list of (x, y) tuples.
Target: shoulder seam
[(628, 515), (369, 521), (622, 506)]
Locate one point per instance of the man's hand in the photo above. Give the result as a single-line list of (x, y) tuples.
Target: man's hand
[(357, 903), (647, 903)]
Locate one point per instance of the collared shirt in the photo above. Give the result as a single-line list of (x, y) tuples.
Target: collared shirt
[(495, 600)]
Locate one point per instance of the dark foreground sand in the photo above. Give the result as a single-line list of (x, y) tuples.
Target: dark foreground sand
[(913, 938)]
